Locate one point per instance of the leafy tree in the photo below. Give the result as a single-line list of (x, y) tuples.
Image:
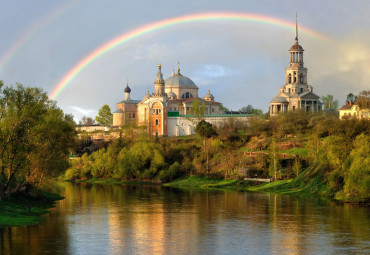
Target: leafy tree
[(198, 109), (223, 108), (35, 137), (329, 102), (363, 99), (351, 98), (86, 121), (357, 181), (105, 117), (250, 110), (205, 130)]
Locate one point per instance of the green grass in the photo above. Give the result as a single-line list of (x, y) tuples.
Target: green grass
[(202, 182), (296, 151), (309, 182), (15, 212), (113, 181)]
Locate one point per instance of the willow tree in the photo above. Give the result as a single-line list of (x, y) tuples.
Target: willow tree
[(35, 136)]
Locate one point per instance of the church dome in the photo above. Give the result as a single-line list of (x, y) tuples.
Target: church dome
[(180, 81), (209, 96), (296, 47), (127, 89)]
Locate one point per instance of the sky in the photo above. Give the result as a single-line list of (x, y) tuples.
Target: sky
[(242, 62)]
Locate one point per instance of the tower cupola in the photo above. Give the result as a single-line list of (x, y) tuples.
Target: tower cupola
[(159, 82), (296, 51), (127, 92)]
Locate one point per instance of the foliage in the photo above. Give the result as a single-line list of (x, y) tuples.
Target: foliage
[(35, 138), (351, 98), (105, 117), (86, 121), (250, 110), (363, 99), (198, 109), (205, 129), (329, 102)]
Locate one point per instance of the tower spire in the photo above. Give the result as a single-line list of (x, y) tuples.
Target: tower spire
[(296, 28)]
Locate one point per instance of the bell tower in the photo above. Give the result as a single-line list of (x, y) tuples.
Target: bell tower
[(296, 73)]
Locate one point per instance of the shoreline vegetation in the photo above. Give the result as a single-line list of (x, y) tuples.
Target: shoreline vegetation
[(25, 209), (302, 152)]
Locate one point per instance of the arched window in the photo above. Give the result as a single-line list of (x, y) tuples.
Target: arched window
[(187, 95), (156, 122), (295, 77), (290, 78), (301, 78)]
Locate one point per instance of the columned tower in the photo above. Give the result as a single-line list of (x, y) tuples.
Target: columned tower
[(296, 93)]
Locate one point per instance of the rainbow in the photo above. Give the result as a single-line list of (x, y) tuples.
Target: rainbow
[(30, 32), (162, 24)]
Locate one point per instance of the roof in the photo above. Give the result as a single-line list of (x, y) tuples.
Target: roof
[(129, 101), (187, 100), (278, 99), (179, 80), (118, 111), (296, 47), (348, 106), (309, 95)]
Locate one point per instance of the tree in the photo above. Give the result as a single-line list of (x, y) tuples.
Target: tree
[(351, 98), (329, 102), (363, 99), (35, 137), (223, 108), (105, 117), (198, 109), (86, 121), (250, 110), (205, 130)]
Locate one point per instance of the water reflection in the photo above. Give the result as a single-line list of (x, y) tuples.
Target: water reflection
[(99, 219)]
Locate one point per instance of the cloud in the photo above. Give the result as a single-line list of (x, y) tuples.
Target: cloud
[(216, 71), (85, 112)]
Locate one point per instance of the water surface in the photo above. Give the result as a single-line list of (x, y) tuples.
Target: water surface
[(123, 219)]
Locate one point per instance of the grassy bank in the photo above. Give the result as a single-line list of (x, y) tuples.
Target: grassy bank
[(113, 181), (309, 182), (25, 209)]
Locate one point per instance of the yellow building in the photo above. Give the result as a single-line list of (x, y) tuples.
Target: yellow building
[(353, 110)]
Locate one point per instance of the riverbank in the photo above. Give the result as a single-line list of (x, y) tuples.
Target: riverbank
[(309, 182), (113, 181), (24, 209)]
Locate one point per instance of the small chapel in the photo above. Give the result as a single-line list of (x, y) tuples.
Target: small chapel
[(296, 93)]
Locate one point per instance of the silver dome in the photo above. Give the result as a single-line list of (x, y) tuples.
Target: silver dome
[(180, 81)]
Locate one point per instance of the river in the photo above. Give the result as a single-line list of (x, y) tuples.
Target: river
[(124, 219)]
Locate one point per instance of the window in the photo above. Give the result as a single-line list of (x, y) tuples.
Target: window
[(157, 122), (133, 115), (295, 77), (213, 109), (301, 90), (187, 95), (301, 78), (290, 78), (293, 108)]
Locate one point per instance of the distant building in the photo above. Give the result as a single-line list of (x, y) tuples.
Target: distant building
[(296, 93), (352, 110), (167, 111)]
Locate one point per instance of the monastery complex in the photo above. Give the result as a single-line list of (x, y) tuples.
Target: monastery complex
[(168, 111)]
